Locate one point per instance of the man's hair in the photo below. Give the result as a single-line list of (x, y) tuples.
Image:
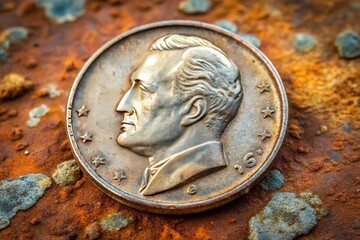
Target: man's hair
[(205, 70)]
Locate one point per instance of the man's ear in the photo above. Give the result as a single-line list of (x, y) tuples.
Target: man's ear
[(194, 110)]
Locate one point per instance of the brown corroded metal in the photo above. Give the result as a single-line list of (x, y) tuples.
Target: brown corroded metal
[(320, 152)]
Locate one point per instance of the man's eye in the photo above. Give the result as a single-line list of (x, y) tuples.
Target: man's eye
[(142, 87)]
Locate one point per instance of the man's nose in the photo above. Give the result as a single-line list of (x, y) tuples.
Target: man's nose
[(125, 104)]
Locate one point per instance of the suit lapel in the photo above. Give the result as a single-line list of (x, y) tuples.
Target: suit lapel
[(186, 166)]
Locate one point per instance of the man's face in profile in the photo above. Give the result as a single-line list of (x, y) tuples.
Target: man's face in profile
[(151, 111)]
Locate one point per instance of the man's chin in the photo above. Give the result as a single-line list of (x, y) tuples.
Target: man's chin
[(123, 139), (130, 143)]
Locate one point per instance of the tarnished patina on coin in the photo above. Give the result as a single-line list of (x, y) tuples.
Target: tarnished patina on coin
[(176, 117)]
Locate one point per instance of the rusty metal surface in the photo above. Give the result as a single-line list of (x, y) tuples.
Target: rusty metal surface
[(320, 152)]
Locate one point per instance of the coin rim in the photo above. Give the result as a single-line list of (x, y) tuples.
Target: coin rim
[(176, 208)]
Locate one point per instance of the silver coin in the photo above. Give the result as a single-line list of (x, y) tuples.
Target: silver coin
[(176, 117)]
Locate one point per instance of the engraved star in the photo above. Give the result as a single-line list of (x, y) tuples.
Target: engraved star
[(264, 87), (264, 135), (98, 160), (268, 112), (83, 111), (259, 151), (86, 137), (120, 175)]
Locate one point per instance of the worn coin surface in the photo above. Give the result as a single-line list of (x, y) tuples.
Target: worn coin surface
[(176, 117)]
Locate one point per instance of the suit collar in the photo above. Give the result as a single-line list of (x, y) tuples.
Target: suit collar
[(183, 167)]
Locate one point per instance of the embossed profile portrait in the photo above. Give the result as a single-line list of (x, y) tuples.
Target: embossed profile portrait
[(183, 95)]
